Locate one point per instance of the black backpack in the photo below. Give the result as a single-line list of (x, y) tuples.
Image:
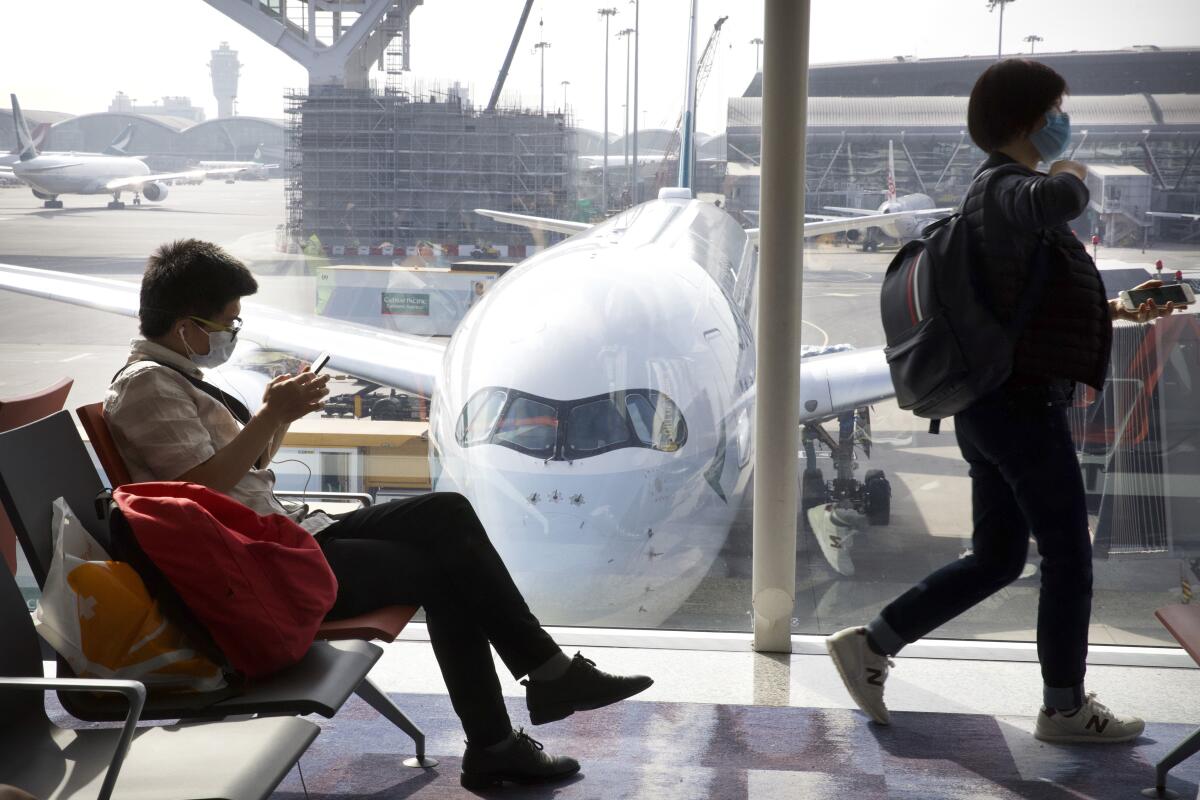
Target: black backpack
[(945, 346)]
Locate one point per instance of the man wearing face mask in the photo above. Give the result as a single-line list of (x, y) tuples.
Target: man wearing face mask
[(430, 550)]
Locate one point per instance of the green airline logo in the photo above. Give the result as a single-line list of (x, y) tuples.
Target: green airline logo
[(406, 304)]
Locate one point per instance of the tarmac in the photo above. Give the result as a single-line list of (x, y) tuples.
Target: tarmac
[(42, 341)]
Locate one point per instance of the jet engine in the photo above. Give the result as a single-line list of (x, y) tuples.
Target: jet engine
[(155, 191)]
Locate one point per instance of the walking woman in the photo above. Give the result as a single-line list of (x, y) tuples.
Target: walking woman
[(1025, 477)]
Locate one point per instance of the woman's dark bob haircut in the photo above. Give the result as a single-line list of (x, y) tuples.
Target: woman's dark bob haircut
[(189, 278), (1008, 100)]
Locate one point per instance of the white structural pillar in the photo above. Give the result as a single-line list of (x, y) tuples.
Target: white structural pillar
[(780, 295), (345, 57)]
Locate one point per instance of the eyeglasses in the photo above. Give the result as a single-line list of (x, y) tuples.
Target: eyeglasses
[(233, 328)]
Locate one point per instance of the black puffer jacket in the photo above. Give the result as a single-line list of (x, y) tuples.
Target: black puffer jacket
[(1070, 333)]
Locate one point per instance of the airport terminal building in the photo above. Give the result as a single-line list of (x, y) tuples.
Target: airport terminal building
[(1136, 108)]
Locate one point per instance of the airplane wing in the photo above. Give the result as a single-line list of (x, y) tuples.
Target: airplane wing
[(855, 211), (138, 180), (1173, 215), (393, 359), (855, 223), (536, 223), (838, 224)]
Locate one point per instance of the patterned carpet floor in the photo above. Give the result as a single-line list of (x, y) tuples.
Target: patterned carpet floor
[(665, 751)]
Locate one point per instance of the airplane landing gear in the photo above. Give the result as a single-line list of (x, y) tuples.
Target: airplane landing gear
[(137, 199), (871, 497), (116, 202), (52, 204)]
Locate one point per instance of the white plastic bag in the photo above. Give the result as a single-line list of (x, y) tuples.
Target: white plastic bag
[(97, 614)]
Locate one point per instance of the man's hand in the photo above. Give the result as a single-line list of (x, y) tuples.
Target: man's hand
[(289, 397), (1147, 311), (1072, 167)]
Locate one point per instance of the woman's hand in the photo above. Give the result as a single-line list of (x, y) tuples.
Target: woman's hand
[(1146, 312), (1072, 167)]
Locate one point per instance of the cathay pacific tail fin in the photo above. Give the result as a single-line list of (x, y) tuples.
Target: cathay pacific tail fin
[(25, 146)]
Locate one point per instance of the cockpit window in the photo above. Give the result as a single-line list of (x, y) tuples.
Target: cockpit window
[(656, 420), (596, 424), (479, 416), (529, 426), (572, 429)]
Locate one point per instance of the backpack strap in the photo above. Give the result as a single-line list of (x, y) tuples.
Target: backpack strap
[(235, 406)]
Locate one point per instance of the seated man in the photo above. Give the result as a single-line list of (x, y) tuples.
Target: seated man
[(430, 550)]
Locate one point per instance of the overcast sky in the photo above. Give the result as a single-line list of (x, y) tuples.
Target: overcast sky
[(74, 55)]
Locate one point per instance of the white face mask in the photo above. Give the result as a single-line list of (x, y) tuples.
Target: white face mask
[(220, 348)]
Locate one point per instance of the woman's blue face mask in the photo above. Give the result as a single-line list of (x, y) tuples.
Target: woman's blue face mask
[(1051, 139)]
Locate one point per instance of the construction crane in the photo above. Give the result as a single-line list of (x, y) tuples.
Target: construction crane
[(512, 48), (703, 68)]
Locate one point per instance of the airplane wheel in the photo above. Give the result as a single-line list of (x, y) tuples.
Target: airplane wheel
[(53, 204), (116, 204), (879, 497), (386, 409)]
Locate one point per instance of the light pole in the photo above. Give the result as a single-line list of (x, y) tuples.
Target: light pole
[(607, 13), (625, 34), (1000, 39), (758, 43), (637, 44), (1033, 39), (565, 84), (541, 45)]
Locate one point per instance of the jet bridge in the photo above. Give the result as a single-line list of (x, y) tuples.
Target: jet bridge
[(1120, 197)]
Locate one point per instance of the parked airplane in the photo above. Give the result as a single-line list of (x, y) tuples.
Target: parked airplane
[(254, 170), (918, 211), (596, 406), (51, 175)]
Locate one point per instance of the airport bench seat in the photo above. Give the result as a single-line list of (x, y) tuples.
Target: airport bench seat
[(1183, 622), (15, 412), (382, 624), (235, 760), (45, 460)]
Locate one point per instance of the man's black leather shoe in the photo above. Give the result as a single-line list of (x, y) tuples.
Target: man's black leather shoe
[(581, 688), (524, 761)]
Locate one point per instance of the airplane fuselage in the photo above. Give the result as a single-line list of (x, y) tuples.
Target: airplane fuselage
[(76, 173), (591, 350), (908, 227)]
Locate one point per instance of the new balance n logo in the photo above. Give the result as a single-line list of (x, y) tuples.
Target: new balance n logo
[(875, 678), (1097, 723)]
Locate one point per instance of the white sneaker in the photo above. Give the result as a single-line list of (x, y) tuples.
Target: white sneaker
[(834, 529), (862, 669), (1093, 722)]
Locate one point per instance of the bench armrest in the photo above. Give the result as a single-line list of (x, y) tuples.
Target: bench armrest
[(133, 691)]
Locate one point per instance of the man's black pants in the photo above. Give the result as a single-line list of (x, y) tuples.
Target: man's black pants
[(432, 551), (1025, 478)]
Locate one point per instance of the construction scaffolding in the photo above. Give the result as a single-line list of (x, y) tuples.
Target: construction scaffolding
[(402, 168)]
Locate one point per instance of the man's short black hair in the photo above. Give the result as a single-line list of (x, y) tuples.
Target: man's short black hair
[(1008, 100), (189, 277)]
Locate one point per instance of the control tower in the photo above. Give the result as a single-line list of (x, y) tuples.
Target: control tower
[(225, 69)]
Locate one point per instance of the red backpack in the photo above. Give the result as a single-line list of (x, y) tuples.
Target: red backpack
[(258, 587)]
